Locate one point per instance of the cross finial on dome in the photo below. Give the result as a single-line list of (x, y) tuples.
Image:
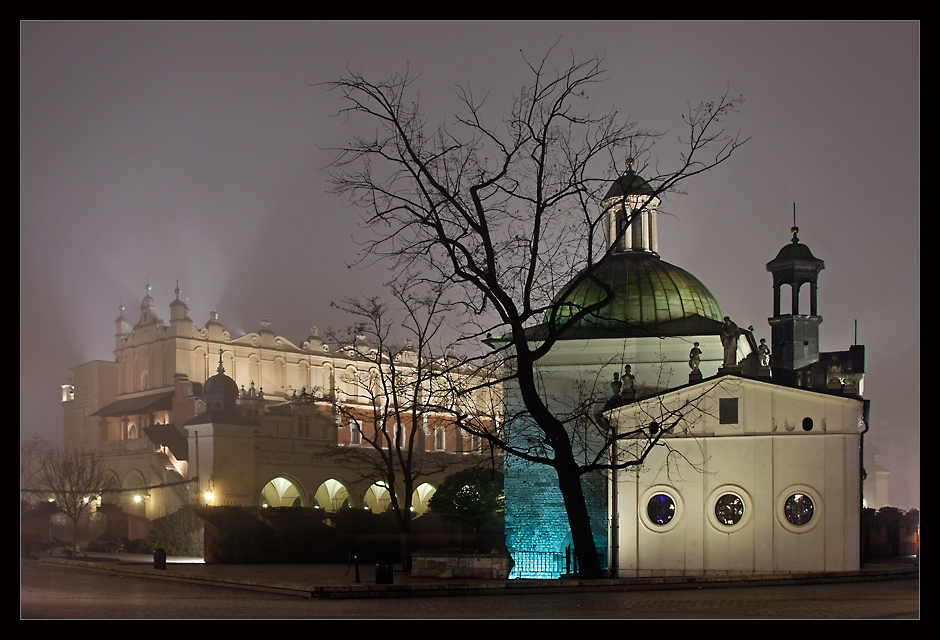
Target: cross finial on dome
[(148, 286), (221, 369), (177, 290), (122, 306)]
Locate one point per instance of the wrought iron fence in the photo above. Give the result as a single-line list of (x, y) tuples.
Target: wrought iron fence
[(537, 564), (548, 564)]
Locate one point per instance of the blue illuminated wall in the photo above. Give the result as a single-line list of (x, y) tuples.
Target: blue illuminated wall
[(537, 531)]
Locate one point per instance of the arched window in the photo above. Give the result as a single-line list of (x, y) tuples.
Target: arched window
[(327, 381), (352, 383)]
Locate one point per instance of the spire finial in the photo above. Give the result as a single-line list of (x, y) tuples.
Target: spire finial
[(794, 229), (630, 164), (177, 290), (122, 306), (221, 369), (148, 285)]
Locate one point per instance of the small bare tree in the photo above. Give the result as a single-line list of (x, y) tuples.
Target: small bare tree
[(510, 213), (31, 453), (75, 480), (408, 394)]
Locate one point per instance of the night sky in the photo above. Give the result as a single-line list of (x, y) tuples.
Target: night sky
[(199, 152)]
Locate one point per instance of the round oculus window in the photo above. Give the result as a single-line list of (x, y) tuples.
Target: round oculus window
[(729, 509), (661, 509), (798, 509)]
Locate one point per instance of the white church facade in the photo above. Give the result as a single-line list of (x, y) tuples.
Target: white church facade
[(756, 478), (761, 474)]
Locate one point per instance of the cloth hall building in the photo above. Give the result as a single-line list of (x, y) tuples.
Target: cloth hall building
[(256, 419)]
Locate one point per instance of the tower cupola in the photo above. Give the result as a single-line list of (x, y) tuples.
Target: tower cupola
[(178, 309), (795, 335), (631, 201), (220, 390), (122, 328), (148, 310)]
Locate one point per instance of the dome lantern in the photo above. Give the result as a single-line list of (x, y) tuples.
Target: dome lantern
[(631, 201)]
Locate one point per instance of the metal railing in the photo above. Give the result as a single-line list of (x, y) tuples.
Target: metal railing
[(547, 564), (537, 564)]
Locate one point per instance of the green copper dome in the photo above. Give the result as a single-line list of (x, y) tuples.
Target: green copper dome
[(651, 298)]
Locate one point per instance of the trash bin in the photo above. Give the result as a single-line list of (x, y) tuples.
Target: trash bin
[(159, 559), (383, 573)]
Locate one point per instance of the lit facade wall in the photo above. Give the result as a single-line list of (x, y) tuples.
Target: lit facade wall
[(747, 470)]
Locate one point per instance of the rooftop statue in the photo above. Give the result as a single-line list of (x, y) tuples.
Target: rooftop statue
[(729, 340)]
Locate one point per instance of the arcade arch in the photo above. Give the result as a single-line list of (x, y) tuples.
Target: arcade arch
[(282, 492), (134, 501), (377, 498), (332, 496), (421, 497)]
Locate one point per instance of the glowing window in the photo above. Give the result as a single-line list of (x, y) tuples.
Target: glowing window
[(661, 509), (729, 509), (798, 509)]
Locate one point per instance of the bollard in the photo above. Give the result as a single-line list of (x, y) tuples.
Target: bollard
[(353, 561), (383, 573), (159, 559)]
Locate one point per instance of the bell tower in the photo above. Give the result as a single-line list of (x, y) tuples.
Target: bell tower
[(794, 335)]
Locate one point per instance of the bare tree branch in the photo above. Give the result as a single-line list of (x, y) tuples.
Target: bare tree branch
[(506, 214)]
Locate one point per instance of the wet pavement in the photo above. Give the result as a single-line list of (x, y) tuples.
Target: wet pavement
[(331, 581)]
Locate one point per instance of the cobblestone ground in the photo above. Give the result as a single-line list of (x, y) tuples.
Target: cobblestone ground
[(50, 591)]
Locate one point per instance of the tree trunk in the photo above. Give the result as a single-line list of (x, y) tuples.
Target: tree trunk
[(74, 553), (404, 530), (579, 520), (406, 550), (565, 465)]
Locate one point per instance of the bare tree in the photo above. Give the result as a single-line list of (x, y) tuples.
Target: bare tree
[(409, 395), (75, 480), (510, 213), (31, 453)]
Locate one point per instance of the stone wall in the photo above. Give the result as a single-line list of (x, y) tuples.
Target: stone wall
[(460, 564)]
